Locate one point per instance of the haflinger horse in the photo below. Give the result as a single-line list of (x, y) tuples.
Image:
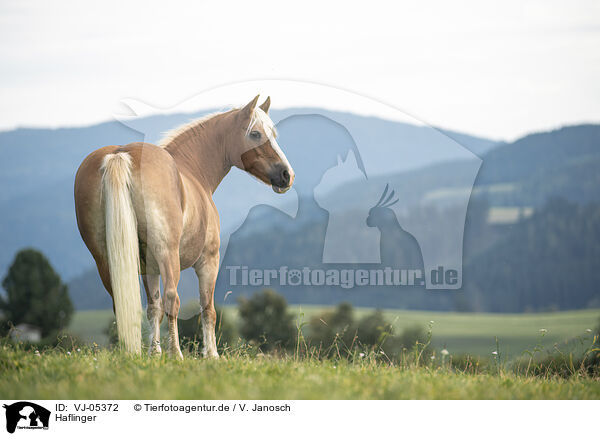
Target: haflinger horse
[(148, 209)]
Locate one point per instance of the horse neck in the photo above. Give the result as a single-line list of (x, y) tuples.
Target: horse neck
[(200, 152)]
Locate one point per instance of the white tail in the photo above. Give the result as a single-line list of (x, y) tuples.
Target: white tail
[(123, 248)]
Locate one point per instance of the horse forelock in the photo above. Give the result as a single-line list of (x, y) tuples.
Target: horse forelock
[(259, 117)]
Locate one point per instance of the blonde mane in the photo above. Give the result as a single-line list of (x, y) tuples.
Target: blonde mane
[(173, 134), (258, 116)]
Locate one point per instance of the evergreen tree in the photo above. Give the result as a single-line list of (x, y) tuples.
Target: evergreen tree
[(35, 294)]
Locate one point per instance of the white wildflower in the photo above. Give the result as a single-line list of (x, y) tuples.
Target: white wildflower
[(361, 355), (495, 353), (79, 350), (543, 331), (68, 353), (444, 352), (588, 330)]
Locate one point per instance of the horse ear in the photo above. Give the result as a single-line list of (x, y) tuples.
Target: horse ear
[(249, 108), (265, 106)]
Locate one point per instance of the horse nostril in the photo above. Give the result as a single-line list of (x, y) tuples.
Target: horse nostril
[(285, 175)]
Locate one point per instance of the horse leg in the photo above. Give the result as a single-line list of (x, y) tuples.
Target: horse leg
[(207, 269), (155, 311), (102, 265), (169, 270)]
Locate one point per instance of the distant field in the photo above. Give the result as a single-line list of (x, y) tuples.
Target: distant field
[(472, 333)]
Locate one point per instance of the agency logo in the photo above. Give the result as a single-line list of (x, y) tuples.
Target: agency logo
[(26, 415), (379, 202)]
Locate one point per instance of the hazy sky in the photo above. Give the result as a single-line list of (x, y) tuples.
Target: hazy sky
[(499, 70)]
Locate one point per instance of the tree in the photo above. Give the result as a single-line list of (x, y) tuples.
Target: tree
[(265, 320), (372, 331), (373, 328), (334, 325), (35, 294)]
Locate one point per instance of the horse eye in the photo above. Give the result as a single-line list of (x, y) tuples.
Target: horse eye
[(255, 134)]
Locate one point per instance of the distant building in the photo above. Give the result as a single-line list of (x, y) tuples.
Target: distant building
[(26, 333), (508, 215)]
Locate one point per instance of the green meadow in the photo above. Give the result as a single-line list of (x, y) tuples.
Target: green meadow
[(103, 374), (517, 371), (459, 333)]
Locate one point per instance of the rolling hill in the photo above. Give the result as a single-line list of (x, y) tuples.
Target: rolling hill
[(38, 166), (37, 169), (567, 170)]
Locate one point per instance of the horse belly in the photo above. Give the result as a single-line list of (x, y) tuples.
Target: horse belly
[(200, 223), (190, 248)]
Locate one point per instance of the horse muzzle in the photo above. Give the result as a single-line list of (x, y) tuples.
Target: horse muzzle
[(282, 179)]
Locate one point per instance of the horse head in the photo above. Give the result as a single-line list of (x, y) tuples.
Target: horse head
[(254, 149)]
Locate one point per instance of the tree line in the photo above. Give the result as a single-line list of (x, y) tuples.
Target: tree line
[(35, 296), (266, 325), (547, 261)]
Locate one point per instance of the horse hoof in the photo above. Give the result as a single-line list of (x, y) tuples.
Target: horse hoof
[(176, 354), (210, 354)]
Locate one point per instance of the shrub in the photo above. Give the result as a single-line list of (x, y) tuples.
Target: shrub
[(373, 329), (410, 336), (332, 327), (266, 322)]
